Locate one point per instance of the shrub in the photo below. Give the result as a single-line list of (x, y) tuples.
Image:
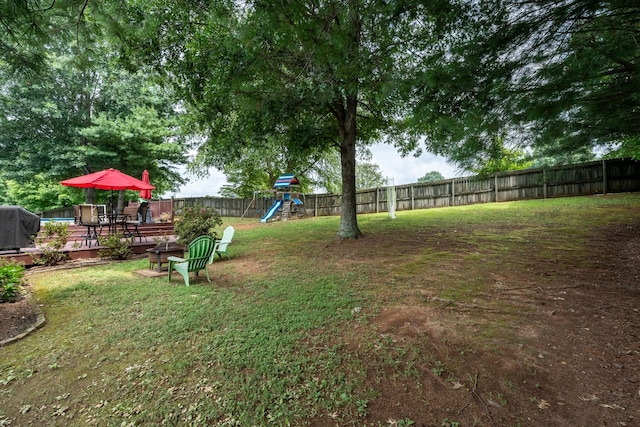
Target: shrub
[(114, 246), (52, 240), (195, 222), (11, 274)]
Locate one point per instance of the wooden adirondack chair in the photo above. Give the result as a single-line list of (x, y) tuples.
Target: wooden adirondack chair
[(221, 245), (200, 255)]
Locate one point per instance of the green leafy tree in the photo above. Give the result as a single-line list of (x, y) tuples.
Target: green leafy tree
[(316, 76), (559, 79), (27, 28), (369, 175), (498, 158), (327, 176), (628, 147), (40, 194), (257, 168), (73, 120), (584, 89), (542, 157), (431, 176)]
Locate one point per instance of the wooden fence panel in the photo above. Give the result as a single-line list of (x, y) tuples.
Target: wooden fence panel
[(58, 213), (527, 184), (575, 181), (367, 201), (325, 204), (424, 195), (623, 176), (469, 191)]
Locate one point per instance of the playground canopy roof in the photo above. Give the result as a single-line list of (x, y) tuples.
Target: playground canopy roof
[(287, 180)]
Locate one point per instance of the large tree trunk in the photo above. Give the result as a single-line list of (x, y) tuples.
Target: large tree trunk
[(120, 207), (90, 196), (348, 214)]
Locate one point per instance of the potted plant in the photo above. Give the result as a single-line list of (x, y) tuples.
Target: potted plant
[(162, 240), (163, 217)]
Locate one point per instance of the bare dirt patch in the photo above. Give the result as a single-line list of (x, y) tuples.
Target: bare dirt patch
[(539, 341)]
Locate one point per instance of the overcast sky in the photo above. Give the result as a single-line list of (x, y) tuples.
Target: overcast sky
[(402, 170)]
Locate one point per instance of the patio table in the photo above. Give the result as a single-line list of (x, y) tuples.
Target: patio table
[(115, 220)]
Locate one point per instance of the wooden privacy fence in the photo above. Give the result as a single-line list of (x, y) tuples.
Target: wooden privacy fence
[(600, 177), (249, 208)]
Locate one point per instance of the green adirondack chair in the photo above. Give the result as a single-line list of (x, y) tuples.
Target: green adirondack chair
[(221, 245), (200, 255)]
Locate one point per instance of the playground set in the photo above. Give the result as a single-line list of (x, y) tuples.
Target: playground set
[(288, 202)]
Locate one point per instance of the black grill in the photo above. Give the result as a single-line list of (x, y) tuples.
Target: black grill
[(17, 226)]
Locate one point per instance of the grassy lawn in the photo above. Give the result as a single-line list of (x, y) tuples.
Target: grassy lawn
[(298, 327)]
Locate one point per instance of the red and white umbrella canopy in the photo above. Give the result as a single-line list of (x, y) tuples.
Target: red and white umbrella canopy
[(145, 194), (108, 179)]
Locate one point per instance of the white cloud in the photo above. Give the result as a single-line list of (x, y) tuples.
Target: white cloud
[(403, 170)]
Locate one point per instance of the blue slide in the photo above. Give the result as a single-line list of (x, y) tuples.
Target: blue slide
[(272, 211)]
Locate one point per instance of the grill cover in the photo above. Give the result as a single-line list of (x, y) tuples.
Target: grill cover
[(17, 225)]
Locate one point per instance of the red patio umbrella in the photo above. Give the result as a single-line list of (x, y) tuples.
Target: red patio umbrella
[(108, 179), (145, 194)]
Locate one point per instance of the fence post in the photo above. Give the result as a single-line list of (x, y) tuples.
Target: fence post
[(377, 199), (453, 192), (411, 193), (544, 183), (604, 176), (496, 187)]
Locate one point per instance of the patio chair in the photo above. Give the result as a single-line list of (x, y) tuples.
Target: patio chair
[(142, 212), (222, 245), (90, 218), (200, 255), (130, 224)]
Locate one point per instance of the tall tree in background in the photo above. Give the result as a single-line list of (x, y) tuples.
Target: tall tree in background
[(316, 75), (257, 168), (77, 118), (431, 176)]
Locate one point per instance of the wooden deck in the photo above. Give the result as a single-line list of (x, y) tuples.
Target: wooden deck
[(78, 248)]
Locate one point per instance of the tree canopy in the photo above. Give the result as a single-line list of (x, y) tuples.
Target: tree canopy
[(559, 78), (316, 76), (28, 29), (486, 84)]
